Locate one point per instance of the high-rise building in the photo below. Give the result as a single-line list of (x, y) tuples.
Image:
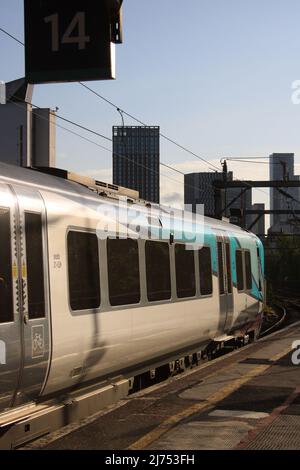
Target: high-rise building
[(259, 227), (136, 159), (282, 168), (27, 135), (199, 189)]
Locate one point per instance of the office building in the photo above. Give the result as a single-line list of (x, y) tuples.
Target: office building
[(199, 189), (27, 135), (282, 168), (260, 226), (136, 159)]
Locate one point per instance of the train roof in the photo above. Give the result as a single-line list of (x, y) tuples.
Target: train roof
[(60, 184)]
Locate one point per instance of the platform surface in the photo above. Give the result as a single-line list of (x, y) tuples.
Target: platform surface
[(249, 399)]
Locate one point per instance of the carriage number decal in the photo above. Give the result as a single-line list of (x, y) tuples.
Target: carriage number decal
[(57, 264)]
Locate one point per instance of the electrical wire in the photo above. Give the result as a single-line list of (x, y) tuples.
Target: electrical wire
[(211, 166), (162, 135), (251, 161), (11, 36), (109, 150)]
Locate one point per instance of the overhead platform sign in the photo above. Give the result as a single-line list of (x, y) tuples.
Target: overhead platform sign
[(71, 40)]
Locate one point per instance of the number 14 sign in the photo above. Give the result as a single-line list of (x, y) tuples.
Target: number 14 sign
[(69, 40)]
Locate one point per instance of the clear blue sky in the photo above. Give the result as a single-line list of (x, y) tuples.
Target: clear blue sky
[(215, 75)]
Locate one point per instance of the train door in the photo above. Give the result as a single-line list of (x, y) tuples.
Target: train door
[(10, 344), (225, 283), (33, 294)]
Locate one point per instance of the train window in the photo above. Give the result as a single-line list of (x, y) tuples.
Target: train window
[(158, 270), (6, 295), (260, 270), (228, 267), (248, 270), (205, 271), (123, 271), (221, 268), (239, 270), (35, 267), (83, 266), (185, 271)]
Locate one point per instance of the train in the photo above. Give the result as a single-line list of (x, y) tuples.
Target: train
[(85, 297)]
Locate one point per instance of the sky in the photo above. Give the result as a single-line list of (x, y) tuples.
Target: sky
[(215, 75)]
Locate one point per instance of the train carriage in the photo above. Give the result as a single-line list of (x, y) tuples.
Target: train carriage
[(81, 301)]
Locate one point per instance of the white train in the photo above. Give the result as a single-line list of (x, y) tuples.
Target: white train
[(78, 304)]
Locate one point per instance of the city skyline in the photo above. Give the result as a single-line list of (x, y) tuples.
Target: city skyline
[(149, 227), (208, 96)]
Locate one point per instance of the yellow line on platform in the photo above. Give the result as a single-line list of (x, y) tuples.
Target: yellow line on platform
[(169, 423)]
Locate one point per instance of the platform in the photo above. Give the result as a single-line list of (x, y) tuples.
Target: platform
[(248, 399)]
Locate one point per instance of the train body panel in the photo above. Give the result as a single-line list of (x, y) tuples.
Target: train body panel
[(65, 330)]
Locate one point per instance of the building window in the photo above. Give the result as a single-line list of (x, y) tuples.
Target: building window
[(248, 270), (205, 271), (239, 270), (35, 265), (185, 271), (158, 271), (84, 275), (6, 292), (123, 271)]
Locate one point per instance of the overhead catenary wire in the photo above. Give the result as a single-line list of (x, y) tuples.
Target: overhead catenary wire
[(101, 135), (119, 109), (119, 155), (252, 161), (109, 150), (210, 165), (12, 37)]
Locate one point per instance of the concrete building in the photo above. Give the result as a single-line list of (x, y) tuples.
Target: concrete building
[(243, 202), (27, 135), (136, 159), (282, 168), (199, 189), (260, 226)]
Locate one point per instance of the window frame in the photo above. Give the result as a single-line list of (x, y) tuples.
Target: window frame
[(86, 311), (175, 272), (127, 305), (171, 271), (211, 270), (248, 289), (29, 212), (240, 250), (243, 251)]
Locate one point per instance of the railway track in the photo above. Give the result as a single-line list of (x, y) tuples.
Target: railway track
[(284, 312)]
